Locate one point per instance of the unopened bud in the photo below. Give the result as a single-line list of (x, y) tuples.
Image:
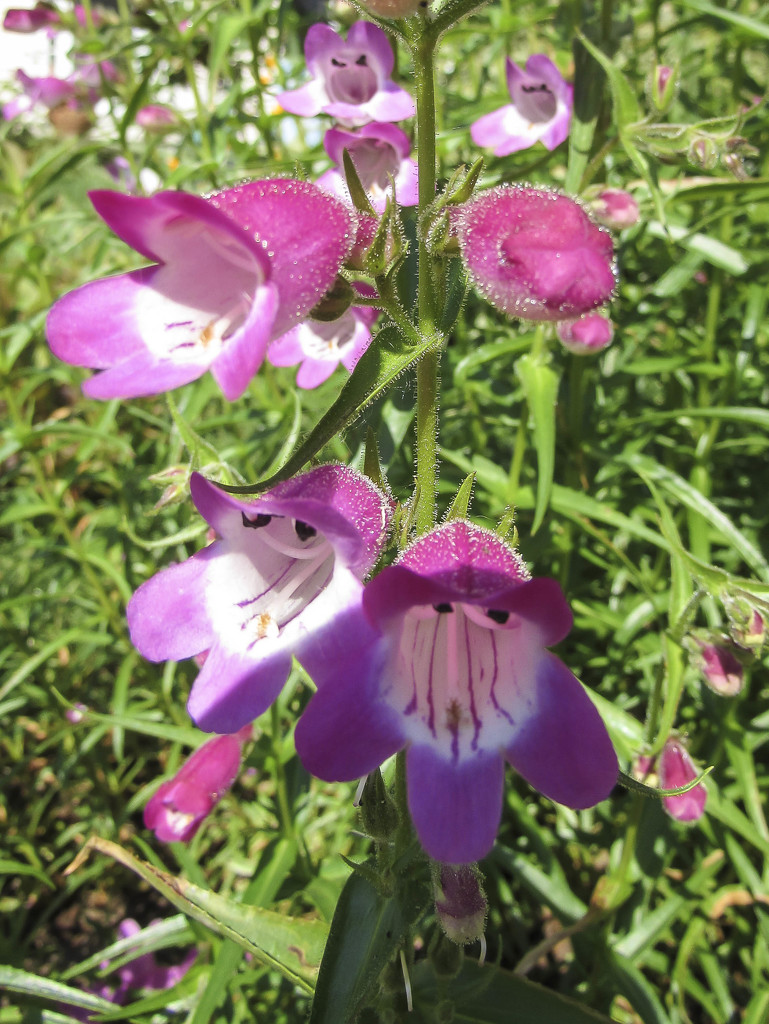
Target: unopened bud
[(335, 302), (615, 209), (586, 334), (704, 153), (748, 628), (676, 768), (721, 669), (663, 87), (379, 813), (460, 903)]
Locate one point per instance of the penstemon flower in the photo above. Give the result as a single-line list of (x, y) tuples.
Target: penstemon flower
[(676, 768), (321, 345), (587, 334), (19, 19), (380, 153), (351, 79), (448, 659), (535, 254), (540, 110), (286, 566), (231, 273), (180, 805)]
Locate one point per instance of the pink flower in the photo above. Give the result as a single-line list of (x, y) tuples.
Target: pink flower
[(321, 345), (721, 668), (230, 273), (47, 91), (535, 254), (540, 110), (379, 152), (448, 659), (287, 565), (155, 118), (351, 80), (587, 334), (676, 769), (20, 19), (179, 807), (615, 209)]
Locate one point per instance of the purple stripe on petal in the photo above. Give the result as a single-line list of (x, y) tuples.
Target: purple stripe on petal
[(563, 749), (167, 617), (455, 807)]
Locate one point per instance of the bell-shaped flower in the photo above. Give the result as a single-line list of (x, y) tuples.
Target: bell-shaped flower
[(676, 769), (380, 153), (180, 805), (47, 91), (21, 19), (350, 79), (286, 566), (230, 273), (448, 659), (535, 254), (321, 345), (540, 110), (721, 669), (586, 334)]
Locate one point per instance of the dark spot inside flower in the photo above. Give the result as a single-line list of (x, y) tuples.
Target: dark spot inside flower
[(535, 88), (338, 63), (361, 61), (303, 530), (445, 607), (453, 715), (498, 616), (262, 519)]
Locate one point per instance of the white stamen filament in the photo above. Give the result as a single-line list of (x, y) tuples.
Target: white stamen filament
[(482, 957), (406, 982), (359, 792), (280, 595), (292, 551)]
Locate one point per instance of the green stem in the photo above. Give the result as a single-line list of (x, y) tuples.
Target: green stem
[(423, 50), (281, 792)]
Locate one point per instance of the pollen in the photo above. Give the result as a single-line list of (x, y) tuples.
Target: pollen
[(455, 714), (208, 332), (265, 626)]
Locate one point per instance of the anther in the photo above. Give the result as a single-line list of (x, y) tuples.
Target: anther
[(303, 530), (498, 616), (444, 607), (262, 519)]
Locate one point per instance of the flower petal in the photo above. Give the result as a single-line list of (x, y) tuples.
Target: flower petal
[(244, 352), (455, 807), (563, 749)]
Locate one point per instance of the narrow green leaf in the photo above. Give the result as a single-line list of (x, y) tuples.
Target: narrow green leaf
[(12, 979), (540, 385), (386, 358), (461, 503), (637, 990), (716, 252), (293, 946), (358, 193), (750, 25), (627, 110)]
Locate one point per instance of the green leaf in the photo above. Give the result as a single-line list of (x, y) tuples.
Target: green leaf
[(366, 932), (488, 995), (388, 355), (292, 946), (12, 979), (749, 25), (711, 249), (358, 193), (540, 385), (634, 986), (587, 103), (627, 110), (461, 503)]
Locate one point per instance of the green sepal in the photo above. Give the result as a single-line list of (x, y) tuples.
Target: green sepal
[(459, 506), (358, 194), (372, 467), (335, 302)]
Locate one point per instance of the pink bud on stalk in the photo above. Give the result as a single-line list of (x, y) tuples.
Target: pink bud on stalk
[(586, 335), (460, 903), (663, 88), (615, 208), (721, 669), (676, 769)]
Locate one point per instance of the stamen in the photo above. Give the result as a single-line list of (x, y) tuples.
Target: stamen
[(361, 61), (406, 982), (262, 519), (359, 792), (498, 616), (444, 607), (338, 63), (303, 530), (482, 957), (293, 550)]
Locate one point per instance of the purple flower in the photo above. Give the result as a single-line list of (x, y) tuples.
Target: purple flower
[(231, 273), (19, 19), (460, 902), (321, 345), (587, 334), (540, 110), (181, 804), (448, 659), (534, 254), (721, 668), (351, 80), (47, 91), (287, 565), (379, 152), (676, 768), (155, 118)]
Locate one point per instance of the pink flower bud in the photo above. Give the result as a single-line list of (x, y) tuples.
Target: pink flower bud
[(615, 209), (663, 89), (154, 118), (676, 768), (460, 903), (722, 670), (180, 805), (18, 19), (586, 335), (749, 630), (535, 254)]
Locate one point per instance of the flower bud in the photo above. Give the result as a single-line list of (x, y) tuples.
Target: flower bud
[(380, 815), (335, 302), (460, 903), (18, 19), (585, 335), (747, 626), (721, 669), (615, 209), (663, 88), (704, 152), (676, 768), (156, 119)]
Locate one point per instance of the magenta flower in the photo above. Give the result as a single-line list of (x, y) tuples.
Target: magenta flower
[(351, 80), (47, 91), (20, 19), (155, 118), (379, 152), (320, 346), (287, 565), (534, 254), (721, 668), (448, 659), (676, 768), (231, 273), (178, 808), (587, 334), (540, 110)]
